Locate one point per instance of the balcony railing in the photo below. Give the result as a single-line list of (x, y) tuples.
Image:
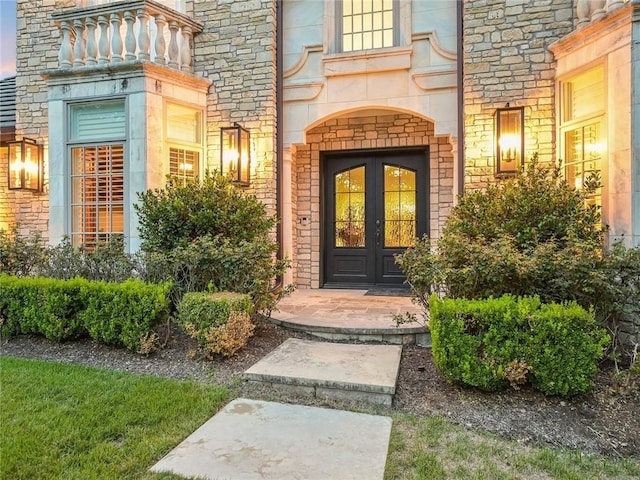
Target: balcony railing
[(126, 31), (588, 11)]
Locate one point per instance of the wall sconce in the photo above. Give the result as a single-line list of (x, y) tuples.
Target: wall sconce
[(509, 139), (25, 165), (235, 154)]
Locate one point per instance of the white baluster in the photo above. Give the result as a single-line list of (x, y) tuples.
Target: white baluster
[(130, 38), (103, 43), (160, 45), (185, 53), (174, 51), (614, 5), (65, 56), (92, 48), (583, 12), (79, 47), (598, 9), (143, 36), (116, 38)]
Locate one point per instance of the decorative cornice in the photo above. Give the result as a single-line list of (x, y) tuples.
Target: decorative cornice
[(432, 38), (303, 91), (619, 18), (304, 56), (436, 78)]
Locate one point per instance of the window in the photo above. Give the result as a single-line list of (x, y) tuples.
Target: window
[(184, 141), (583, 138), (368, 24), (97, 138)]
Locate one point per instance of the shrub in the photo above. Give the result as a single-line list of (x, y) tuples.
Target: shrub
[(219, 322), (179, 214), (21, 255), (123, 313), (489, 343), (114, 313), (42, 306), (210, 235)]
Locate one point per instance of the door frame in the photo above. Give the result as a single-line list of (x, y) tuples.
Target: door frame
[(325, 157)]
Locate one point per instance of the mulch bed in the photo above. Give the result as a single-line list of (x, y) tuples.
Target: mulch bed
[(607, 421)]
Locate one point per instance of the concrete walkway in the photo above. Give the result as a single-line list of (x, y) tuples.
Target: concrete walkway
[(251, 439)]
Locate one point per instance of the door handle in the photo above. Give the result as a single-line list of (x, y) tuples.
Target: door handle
[(377, 236)]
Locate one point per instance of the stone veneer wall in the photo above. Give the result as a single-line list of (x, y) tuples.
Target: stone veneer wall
[(237, 51), (506, 59), (381, 131), (38, 42)]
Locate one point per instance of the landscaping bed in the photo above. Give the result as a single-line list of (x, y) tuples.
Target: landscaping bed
[(603, 422)]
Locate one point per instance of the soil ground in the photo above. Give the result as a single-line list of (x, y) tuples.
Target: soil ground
[(606, 421)]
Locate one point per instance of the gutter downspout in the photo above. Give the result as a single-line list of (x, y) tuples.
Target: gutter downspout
[(460, 75), (279, 139)]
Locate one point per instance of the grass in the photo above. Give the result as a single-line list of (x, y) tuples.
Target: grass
[(434, 448), (72, 422), (69, 422)]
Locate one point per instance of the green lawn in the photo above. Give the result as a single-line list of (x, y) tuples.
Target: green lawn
[(434, 448), (71, 422), (68, 422)]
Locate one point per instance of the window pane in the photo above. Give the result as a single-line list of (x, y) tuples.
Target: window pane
[(349, 201), (399, 206), (367, 24), (98, 121), (183, 123), (97, 193)]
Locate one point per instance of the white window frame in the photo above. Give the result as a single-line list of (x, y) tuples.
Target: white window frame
[(72, 143)]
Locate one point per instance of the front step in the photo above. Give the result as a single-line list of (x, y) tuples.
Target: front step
[(332, 370)]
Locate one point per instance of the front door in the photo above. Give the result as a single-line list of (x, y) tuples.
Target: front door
[(376, 205)]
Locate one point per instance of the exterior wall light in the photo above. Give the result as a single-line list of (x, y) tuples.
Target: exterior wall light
[(509, 139), (235, 154), (25, 165)]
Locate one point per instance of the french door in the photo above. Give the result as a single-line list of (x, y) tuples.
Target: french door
[(376, 205)]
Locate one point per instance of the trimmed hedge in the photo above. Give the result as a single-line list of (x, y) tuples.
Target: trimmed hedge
[(219, 322), (114, 313), (491, 343)]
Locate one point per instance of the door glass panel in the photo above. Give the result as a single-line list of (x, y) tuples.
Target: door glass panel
[(399, 206), (349, 225)]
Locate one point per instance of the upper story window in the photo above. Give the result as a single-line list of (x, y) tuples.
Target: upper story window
[(582, 111), (367, 24), (184, 141)]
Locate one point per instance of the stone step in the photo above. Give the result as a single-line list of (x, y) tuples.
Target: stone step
[(331, 370), (251, 439)]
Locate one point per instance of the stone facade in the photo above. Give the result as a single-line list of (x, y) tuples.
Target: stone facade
[(237, 52), (506, 60), (380, 130), (37, 50)]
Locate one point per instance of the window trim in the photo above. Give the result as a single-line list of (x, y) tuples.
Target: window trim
[(181, 144), (69, 144)]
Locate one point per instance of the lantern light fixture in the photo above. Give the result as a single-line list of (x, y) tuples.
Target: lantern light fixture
[(25, 165), (235, 154), (509, 139)]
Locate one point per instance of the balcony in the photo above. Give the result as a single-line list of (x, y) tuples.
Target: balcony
[(588, 11), (124, 32)]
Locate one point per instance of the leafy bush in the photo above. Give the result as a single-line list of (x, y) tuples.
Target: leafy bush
[(179, 214), (21, 255), (123, 313), (219, 322), (489, 343), (210, 236), (530, 235), (114, 313), (42, 306)]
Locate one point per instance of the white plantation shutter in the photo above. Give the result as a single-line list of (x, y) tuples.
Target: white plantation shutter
[(98, 121)]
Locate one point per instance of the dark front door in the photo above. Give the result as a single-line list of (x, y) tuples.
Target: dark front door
[(376, 205)]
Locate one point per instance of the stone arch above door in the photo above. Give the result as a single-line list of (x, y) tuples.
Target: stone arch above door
[(367, 130)]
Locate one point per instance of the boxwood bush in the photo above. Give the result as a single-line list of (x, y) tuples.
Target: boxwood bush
[(220, 322), (122, 314), (508, 340)]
